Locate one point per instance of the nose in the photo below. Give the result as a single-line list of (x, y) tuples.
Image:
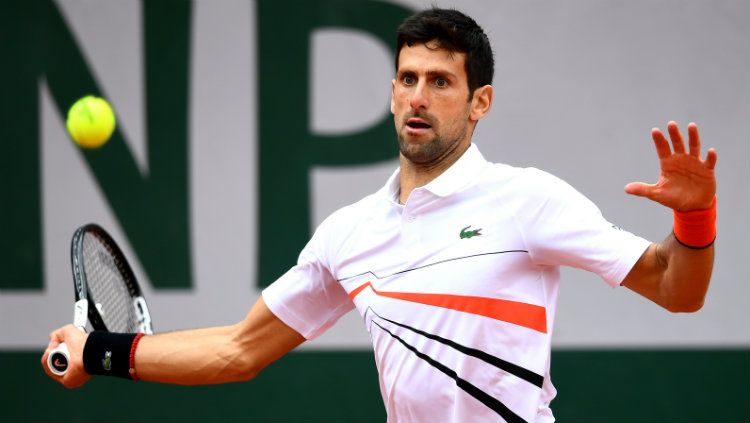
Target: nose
[(418, 97)]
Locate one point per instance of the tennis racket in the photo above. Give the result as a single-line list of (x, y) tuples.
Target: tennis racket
[(106, 291)]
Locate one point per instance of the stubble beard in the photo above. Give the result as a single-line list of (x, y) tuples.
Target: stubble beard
[(431, 152)]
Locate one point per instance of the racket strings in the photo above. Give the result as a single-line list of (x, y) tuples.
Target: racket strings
[(108, 285)]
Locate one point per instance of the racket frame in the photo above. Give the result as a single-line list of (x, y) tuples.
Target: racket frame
[(84, 308)]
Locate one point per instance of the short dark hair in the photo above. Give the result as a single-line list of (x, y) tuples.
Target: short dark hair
[(455, 32)]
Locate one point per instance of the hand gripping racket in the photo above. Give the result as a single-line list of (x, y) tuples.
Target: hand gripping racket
[(106, 291)]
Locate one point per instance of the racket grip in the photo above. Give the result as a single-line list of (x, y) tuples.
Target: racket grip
[(58, 360)]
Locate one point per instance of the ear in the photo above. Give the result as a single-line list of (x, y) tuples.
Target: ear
[(481, 102), (393, 93)]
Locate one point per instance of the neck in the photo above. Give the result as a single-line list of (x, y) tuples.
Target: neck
[(414, 175)]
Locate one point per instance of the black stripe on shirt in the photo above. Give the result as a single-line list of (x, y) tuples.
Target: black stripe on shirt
[(514, 369), (483, 397)]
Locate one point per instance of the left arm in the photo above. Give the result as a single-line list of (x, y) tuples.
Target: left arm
[(672, 275)]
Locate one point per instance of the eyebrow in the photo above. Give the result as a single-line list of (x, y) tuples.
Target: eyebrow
[(443, 73), (430, 73)]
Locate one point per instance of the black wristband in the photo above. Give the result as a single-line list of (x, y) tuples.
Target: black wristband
[(108, 353)]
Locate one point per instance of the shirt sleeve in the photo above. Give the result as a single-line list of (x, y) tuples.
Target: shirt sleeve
[(564, 228), (307, 297)]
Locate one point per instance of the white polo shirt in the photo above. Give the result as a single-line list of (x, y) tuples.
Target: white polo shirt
[(457, 288)]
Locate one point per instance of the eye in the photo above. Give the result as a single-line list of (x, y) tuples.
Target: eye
[(441, 82), (409, 80)]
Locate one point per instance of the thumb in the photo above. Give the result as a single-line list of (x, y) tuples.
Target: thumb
[(54, 340), (639, 189), (59, 335)]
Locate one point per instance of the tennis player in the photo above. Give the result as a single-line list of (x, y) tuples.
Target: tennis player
[(453, 264)]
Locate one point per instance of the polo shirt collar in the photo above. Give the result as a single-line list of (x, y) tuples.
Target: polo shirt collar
[(461, 173)]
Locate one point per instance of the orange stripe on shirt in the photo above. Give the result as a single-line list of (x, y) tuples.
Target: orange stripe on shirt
[(522, 314)]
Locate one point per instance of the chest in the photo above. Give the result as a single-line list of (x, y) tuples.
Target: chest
[(451, 247)]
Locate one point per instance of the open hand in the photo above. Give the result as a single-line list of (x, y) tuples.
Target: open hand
[(686, 182)]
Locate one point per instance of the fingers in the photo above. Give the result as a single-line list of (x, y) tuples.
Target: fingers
[(711, 158), (676, 136), (54, 339), (695, 147), (664, 150), (694, 140), (58, 336), (44, 362), (661, 144)]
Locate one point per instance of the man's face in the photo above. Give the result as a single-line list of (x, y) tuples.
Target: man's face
[(430, 103)]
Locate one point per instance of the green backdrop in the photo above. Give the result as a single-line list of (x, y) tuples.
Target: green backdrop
[(604, 386), (40, 49)]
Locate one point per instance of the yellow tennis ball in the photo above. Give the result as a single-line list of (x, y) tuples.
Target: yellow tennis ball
[(91, 121)]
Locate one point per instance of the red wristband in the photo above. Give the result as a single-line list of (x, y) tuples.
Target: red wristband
[(133, 346), (696, 228)]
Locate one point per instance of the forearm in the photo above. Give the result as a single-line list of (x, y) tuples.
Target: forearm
[(672, 275), (686, 277), (216, 355), (202, 356)]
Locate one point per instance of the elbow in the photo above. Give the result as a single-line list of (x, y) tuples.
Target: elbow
[(686, 306), (248, 373), (685, 296), (237, 366), (246, 362)]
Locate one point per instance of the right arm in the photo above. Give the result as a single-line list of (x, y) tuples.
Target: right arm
[(201, 356)]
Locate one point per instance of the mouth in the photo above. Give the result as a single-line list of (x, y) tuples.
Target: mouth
[(417, 123), (417, 126)]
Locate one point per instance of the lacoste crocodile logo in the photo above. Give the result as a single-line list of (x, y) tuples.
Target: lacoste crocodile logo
[(107, 361), (466, 233)]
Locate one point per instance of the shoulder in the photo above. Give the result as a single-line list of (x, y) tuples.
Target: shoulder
[(339, 227), (353, 213), (535, 198), (525, 183)]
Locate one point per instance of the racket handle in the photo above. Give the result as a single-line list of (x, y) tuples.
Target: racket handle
[(58, 360)]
